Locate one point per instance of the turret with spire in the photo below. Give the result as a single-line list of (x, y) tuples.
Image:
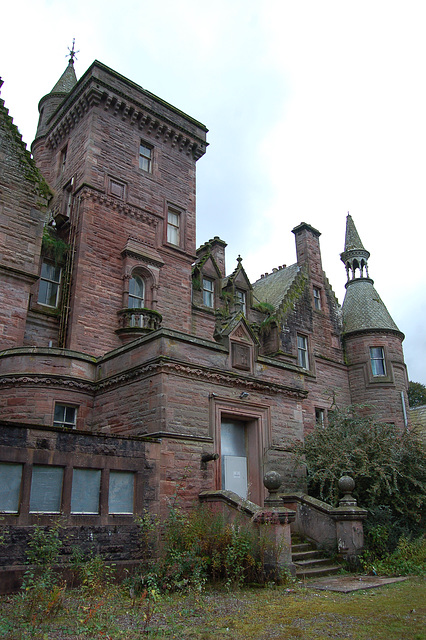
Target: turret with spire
[(362, 307), (51, 101), (371, 339)]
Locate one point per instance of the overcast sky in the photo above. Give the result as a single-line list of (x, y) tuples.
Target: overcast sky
[(315, 108)]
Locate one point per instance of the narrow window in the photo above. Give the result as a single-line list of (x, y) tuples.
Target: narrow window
[(50, 280), (46, 489), (208, 292), (317, 299), (121, 490), (145, 157), (86, 485), (302, 352), (173, 228), (65, 416), (136, 293), (63, 160), (320, 417), (241, 300), (10, 487), (377, 358)]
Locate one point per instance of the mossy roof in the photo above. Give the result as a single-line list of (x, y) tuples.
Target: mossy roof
[(363, 308), (273, 287)]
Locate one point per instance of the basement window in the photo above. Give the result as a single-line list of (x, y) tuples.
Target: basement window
[(86, 485), (121, 490), (10, 487), (46, 489)]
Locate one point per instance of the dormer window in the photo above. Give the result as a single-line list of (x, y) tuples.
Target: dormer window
[(208, 292), (241, 299), (302, 352)]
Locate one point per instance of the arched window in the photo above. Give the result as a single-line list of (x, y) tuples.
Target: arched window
[(136, 292)]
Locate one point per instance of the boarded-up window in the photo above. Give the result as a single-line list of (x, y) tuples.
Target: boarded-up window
[(121, 490), (10, 487), (46, 489), (86, 484)]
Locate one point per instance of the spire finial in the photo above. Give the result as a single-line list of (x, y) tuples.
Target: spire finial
[(239, 259), (72, 53), (354, 255)]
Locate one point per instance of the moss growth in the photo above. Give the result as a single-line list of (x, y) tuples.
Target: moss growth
[(53, 247), (27, 164)]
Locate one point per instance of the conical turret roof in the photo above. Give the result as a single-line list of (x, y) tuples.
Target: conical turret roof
[(352, 239), (363, 309), (67, 80)]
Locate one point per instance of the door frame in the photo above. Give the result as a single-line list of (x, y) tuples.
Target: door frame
[(257, 418)]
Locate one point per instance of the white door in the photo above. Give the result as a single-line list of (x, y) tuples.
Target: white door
[(234, 457)]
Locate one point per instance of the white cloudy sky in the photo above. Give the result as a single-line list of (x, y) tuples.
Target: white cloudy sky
[(315, 108)]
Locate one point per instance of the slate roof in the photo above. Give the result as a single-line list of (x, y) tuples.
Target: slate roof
[(363, 308), (67, 80), (352, 239), (274, 287)]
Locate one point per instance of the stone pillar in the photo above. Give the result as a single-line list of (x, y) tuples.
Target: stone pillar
[(274, 529), (275, 540), (348, 517)]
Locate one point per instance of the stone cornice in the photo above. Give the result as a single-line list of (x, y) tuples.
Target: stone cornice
[(200, 373), (89, 193), (30, 380), (154, 368), (118, 104)]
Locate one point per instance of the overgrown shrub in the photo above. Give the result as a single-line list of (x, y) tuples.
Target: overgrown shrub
[(389, 469), (42, 589), (408, 558), (195, 547)]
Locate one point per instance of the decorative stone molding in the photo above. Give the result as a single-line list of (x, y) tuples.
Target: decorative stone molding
[(129, 110), (46, 381), (200, 373), (88, 193)]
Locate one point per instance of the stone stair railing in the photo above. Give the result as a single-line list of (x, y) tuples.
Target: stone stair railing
[(335, 529)]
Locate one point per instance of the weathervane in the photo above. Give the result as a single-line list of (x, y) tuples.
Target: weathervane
[(72, 54)]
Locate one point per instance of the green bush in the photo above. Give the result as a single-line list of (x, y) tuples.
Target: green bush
[(389, 469), (194, 547), (409, 558)]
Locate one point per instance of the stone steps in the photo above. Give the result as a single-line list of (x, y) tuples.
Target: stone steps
[(310, 562)]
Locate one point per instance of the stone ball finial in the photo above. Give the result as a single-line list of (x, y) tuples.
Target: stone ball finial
[(346, 485), (272, 481)]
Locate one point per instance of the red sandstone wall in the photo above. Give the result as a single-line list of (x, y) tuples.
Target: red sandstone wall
[(381, 393), (22, 213)]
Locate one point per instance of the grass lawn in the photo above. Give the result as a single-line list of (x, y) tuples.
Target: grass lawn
[(389, 612)]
